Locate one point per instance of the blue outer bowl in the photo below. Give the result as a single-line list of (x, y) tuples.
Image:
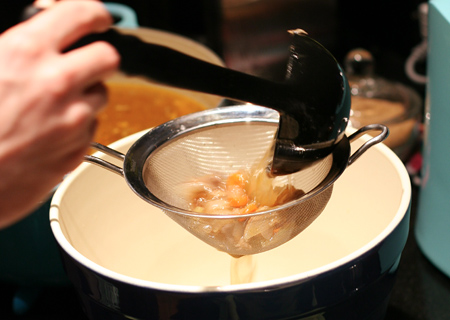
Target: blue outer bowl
[(30, 259), (356, 290), (29, 255)]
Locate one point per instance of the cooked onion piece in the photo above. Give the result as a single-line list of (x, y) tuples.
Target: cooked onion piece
[(238, 194)]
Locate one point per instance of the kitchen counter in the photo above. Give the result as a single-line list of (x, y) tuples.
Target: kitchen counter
[(421, 291)]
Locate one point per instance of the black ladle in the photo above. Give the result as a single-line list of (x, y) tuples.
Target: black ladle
[(313, 101)]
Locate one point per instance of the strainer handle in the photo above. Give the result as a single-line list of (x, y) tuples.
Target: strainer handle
[(369, 143), (103, 163)]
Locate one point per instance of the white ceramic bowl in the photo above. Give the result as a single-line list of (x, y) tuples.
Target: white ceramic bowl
[(130, 261)]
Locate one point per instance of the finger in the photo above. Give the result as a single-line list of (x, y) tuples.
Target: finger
[(83, 142), (84, 107), (43, 4), (96, 96), (75, 131), (90, 64), (67, 21)]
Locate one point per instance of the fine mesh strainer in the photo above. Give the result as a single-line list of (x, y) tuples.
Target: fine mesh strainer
[(222, 141)]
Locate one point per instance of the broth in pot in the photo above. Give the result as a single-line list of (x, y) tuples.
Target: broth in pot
[(136, 106)]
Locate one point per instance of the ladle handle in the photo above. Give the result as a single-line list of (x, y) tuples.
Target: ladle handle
[(167, 66), (313, 100), (384, 132), (103, 163), (171, 67)]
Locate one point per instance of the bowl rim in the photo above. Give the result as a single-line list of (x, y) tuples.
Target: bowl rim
[(192, 289)]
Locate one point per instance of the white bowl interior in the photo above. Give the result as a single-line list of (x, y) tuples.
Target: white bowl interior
[(99, 221)]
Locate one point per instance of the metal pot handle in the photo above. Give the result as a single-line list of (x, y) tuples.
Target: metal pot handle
[(103, 163), (369, 143)]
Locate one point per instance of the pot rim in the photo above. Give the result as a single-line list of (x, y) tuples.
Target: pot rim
[(71, 251)]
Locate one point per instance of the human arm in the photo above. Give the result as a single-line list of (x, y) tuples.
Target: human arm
[(49, 100)]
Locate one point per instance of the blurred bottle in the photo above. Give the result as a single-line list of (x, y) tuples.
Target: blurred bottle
[(433, 216)]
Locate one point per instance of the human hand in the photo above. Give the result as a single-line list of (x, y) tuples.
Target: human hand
[(49, 100)]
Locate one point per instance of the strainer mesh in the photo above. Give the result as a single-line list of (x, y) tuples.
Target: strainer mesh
[(223, 150)]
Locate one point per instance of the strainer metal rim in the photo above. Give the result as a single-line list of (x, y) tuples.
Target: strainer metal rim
[(132, 167), (139, 152)]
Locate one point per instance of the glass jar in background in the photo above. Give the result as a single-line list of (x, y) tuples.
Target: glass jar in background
[(377, 100)]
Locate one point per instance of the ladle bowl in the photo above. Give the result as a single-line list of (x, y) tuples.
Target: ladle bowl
[(219, 142), (313, 101)]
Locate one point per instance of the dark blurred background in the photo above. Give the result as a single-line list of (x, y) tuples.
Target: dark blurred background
[(250, 35)]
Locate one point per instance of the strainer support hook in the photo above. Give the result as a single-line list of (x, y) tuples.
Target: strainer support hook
[(103, 163), (369, 143)]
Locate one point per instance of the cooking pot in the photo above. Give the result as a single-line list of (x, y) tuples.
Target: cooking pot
[(127, 260)]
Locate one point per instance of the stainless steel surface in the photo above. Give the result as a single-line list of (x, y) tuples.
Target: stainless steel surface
[(105, 164), (221, 141), (384, 132)]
